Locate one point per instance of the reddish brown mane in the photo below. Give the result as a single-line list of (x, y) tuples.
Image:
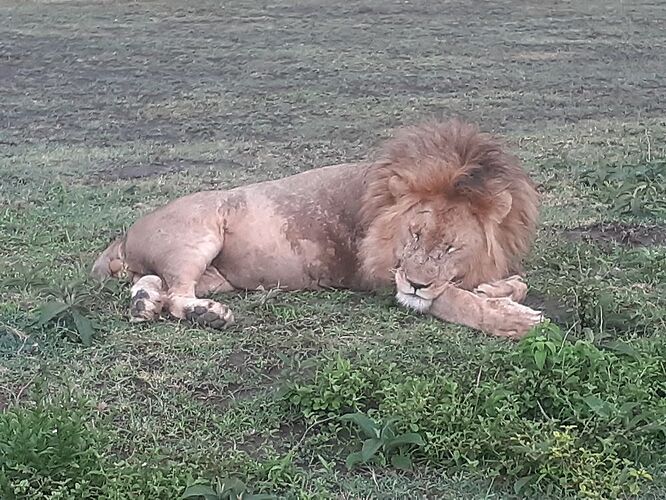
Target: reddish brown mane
[(456, 161)]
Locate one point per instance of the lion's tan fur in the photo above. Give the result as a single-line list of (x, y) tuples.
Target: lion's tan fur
[(450, 163), (443, 206)]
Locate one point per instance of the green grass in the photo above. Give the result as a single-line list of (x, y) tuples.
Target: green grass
[(550, 416), (112, 109)]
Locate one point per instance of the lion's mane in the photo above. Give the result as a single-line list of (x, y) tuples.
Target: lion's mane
[(452, 162)]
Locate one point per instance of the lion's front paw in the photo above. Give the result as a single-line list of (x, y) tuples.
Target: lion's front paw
[(513, 287), (209, 313), (507, 318)]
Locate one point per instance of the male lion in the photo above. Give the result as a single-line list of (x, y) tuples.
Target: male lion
[(444, 213)]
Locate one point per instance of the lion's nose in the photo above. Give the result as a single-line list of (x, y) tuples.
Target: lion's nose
[(417, 286)]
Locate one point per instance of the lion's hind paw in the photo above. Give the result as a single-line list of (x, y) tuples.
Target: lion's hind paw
[(147, 299), (209, 313)]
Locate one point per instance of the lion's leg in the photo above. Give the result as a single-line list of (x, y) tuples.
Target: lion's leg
[(497, 316), (212, 282), (148, 298), (183, 283), (512, 287)]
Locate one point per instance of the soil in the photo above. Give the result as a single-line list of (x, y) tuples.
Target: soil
[(292, 76), (553, 309), (625, 234)]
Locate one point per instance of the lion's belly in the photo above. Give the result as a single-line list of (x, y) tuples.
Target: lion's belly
[(253, 266), (267, 246), (249, 264)]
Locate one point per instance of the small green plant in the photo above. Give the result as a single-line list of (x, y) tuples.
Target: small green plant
[(638, 190), (559, 457), (542, 345), (381, 438), (39, 448), (68, 307), (224, 489), (553, 415), (55, 451), (339, 387)]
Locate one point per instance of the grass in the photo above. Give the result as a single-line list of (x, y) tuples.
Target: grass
[(550, 416), (111, 109)]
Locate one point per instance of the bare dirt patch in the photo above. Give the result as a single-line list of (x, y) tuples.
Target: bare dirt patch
[(112, 74), (553, 308), (148, 170), (624, 234)]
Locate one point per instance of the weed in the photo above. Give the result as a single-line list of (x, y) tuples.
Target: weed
[(559, 458), (226, 489), (630, 189), (48, 449), (598, 414), (337, 389), (68, 307), (54, 450), (382, 438), (72, 315)]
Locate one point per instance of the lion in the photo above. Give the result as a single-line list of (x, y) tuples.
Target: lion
[(443, 213)]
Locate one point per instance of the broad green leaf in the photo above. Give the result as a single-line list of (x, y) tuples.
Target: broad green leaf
[(551, 346), (353, 459), (232, 485), (387, 432), (50, 310), (623, 348), (370, 447), (540, 359), (84, 327), (520, 484), (402, 462), (367, 425), (407, 438), (259, 496), (200, 490), (598, 406)]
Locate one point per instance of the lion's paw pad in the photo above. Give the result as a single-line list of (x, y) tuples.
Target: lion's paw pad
[(213, 315)]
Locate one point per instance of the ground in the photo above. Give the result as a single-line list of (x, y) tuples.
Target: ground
[(108, 109)]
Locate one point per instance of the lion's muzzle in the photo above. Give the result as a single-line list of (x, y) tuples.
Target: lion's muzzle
[(413, 293)]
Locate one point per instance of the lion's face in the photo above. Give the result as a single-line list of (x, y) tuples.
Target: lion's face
[(444, 205), (437, 245)]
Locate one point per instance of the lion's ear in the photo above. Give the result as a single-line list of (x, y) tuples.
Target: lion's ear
[(501, 206), (397, 186)]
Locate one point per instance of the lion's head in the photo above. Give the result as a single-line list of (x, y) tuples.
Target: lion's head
[(445, 204)]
